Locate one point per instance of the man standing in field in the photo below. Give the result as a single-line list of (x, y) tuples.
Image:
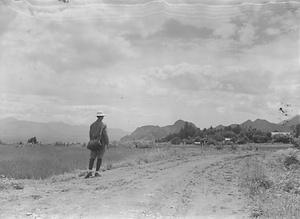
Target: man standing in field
[(98, 130)]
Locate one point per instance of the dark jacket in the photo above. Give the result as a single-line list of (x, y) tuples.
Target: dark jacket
[(95, 130)]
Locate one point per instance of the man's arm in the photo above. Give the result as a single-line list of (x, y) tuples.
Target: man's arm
[(105, 136), (90, 133)]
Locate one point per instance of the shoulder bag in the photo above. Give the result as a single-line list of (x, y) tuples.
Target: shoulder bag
[(95, 145)]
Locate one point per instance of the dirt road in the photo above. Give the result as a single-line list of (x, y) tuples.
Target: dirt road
[(191, 187)]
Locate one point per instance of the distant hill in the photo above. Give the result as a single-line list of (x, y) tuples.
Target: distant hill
[(219, 127), (264, 125), (13, 130), (291, 122), (151, 132)]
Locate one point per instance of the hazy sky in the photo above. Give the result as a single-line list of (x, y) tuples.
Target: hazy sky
[(149, 62)]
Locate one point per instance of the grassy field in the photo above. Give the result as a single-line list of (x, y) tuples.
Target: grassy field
[(272, 181), (40, 162)]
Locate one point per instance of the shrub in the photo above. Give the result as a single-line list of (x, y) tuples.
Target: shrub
[(241, 141), (113, 144), (197, 139), (296, 142), (32, 140), (282, 158), (211, 142), (228, 143), (218, 137), (176, 141), (233, 147), (144, 144), (189, 140), (279, 138), (292, 160), (219, 146)]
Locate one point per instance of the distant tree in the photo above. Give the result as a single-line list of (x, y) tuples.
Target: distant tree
[(218, 137), (242, 139), (189, 140), (210, 131), (228, 134), (237, 129), (200, 133), (297, 131), (228, 128), (256, 139), (197, 139), (168, 138), (211, 141), (32, 140), (176, 140), (282, 139), (188, 130)]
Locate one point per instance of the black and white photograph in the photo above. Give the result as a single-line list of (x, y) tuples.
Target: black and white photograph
[(150, 109)]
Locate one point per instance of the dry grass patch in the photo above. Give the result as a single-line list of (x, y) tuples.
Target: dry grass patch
[(273, 183), (149, 155)]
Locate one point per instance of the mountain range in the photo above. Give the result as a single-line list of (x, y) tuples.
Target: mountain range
[(264, 125), (13, 130), (151, 132)]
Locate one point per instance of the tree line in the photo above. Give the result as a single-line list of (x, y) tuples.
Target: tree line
[(238, 135)]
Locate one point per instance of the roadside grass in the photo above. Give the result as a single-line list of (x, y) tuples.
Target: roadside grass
[(272, 181)]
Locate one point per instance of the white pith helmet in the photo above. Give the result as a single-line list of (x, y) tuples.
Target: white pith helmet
[(100, 113)]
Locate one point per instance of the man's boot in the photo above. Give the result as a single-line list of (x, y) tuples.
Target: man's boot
[(88, 175)]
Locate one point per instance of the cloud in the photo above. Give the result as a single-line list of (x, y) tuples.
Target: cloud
[(285, 19), (158, 91), (248, 81), (82, 48), (226, 30), (174, 29), (64, 46), (247, 34), (272, 31), (183, 76), (231, 79), (6, 17)]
